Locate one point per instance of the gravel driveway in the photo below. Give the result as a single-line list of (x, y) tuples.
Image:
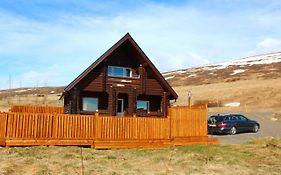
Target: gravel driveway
[(268, 128)]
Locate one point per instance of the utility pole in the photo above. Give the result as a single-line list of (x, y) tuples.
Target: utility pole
[(46, 83), (10, 88), (19, 94), (45, 95), (36, 90), (189, 95)]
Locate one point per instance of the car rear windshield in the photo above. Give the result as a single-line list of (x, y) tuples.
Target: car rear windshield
[(216, 118)]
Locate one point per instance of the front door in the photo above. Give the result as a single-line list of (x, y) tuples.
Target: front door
[(120, 107)]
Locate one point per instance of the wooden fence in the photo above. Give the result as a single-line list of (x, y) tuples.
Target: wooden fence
[(3, 128), (188, 122), (37, 109), (183, 126)]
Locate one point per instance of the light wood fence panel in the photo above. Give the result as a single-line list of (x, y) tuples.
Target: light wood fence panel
[(135, 128), (37, 109), (49, 126), (3, 122), (186, 121)]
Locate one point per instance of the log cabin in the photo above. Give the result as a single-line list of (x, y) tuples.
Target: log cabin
[(122, 82)]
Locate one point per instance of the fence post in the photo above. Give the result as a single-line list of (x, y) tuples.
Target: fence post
[(55, 127), (170, 122), (96, 118), (6, 127)]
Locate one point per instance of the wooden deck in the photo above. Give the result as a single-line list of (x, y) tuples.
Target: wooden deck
[(183, 126)]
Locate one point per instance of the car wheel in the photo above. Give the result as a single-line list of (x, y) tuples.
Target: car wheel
[(255, 128), (233, 130)]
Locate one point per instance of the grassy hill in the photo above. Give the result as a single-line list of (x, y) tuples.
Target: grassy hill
[(33, 96)]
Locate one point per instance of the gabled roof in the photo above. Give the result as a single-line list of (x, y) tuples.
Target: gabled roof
[(128, 37)]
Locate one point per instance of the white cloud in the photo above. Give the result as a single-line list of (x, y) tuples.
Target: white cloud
[(39, 78), (173, 61), (270, 43), (267, 45)]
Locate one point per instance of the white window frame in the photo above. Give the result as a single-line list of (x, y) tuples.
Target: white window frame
[(123, 72)]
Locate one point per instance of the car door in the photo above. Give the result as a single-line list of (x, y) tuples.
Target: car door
[(243, 122), (247, 124), (235, 122)]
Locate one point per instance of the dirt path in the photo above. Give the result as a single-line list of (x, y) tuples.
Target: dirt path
[(268, 128)]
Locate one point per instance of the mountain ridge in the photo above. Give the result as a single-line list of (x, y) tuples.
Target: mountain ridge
[(260, 66)]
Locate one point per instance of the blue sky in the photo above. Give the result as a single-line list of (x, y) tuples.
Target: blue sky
[(48, 42)]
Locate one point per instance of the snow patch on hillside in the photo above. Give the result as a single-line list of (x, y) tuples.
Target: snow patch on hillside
[(22, 90), (181, 71), (238, 71), (192, 75), (248, 61), (167, 73), (170, 77), (232, 104)]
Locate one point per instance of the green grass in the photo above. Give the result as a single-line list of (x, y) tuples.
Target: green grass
[(262, 156)]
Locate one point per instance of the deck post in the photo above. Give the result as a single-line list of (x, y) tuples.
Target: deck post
[(132, 102), (164, 104), (143, 78), (104, 77)]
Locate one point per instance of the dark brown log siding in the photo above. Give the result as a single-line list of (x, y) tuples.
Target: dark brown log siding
[(67, 103), (93, 83), (153, 87)]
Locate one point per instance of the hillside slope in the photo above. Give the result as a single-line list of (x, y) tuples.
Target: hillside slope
[(254, 82), (267, 66), (33, 96)]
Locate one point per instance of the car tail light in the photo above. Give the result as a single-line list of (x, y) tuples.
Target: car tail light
[(222, 125)]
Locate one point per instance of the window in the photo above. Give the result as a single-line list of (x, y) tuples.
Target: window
[(234, 117), (241, 117), (119, 71), (227, 118), (90, 104), (143, 105), (216, 118)]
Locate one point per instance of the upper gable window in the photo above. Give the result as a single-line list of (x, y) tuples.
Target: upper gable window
[(119, 71)]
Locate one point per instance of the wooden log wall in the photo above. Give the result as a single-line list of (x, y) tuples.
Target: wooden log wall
[(37, 109), (94, 81), (153, 87)]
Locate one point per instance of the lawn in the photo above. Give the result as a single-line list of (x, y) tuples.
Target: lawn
[(261, 156)]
